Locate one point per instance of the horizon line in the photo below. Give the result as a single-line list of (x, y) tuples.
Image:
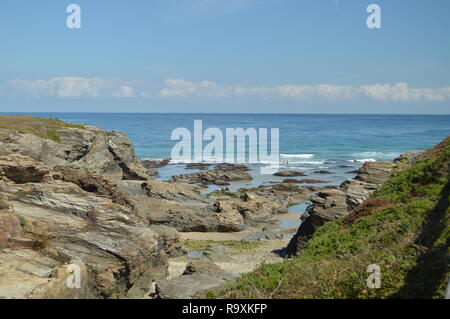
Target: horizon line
[(218, 113)]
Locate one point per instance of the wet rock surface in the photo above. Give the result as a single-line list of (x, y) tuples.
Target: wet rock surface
[(150, 164), (289, 174), (305, 181)]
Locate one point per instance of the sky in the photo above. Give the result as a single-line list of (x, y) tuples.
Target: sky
[(263, 56)]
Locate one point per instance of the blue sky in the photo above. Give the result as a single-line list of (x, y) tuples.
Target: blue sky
[(293, 56)]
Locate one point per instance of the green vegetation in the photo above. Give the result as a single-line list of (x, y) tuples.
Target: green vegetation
[(42, 127), (223, 194), (23, 221), (404, 229), (199, 245)]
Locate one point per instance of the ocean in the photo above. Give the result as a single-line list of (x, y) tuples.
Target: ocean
[(309, 142)]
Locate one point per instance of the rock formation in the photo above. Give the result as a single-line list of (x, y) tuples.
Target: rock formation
[(220, 175), (61, 224), (331, 204), (108, 153)]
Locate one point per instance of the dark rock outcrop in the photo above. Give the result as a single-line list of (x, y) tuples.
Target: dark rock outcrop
[(289, 174), (221, 175), (150, 164), (304, 181), (328, 205)]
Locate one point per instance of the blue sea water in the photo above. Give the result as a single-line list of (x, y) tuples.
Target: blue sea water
[(336, 143)]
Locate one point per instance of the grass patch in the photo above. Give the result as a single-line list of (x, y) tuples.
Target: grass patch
[(404, 229), (291, 204), (42, 127), (223, 194), (200, 245), (23, 221)]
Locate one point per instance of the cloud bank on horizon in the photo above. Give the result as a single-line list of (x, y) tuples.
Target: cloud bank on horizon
[(98, 88)]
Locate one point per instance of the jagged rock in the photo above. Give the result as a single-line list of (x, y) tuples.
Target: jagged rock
[(200, 166), (150, 164), (26, 273), (409, 157), (92, 182), (22, 169), (170, 239), (205, 266), (9, 222), (254, 207), (286, 187), (218, 253), (214, 176), (181, 206), (226, 167), (262, 236), (187, 287), (357, 191), (289, 174), (326, 206), (375, 172), (109, 153)]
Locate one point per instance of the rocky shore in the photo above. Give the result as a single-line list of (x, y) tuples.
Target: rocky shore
[(83, 198)]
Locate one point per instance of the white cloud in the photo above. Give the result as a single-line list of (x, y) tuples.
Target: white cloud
[(399, 92), (182, 88), (68, 87), (402, 93), (78, 87)]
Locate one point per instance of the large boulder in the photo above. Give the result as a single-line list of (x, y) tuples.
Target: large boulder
[(109, 153)]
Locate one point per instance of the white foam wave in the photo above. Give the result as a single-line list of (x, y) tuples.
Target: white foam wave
[(377, 155), (306, 162), (297, 155), (363, 160)]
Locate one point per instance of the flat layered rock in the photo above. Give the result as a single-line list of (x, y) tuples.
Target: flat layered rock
[(289, 174)]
